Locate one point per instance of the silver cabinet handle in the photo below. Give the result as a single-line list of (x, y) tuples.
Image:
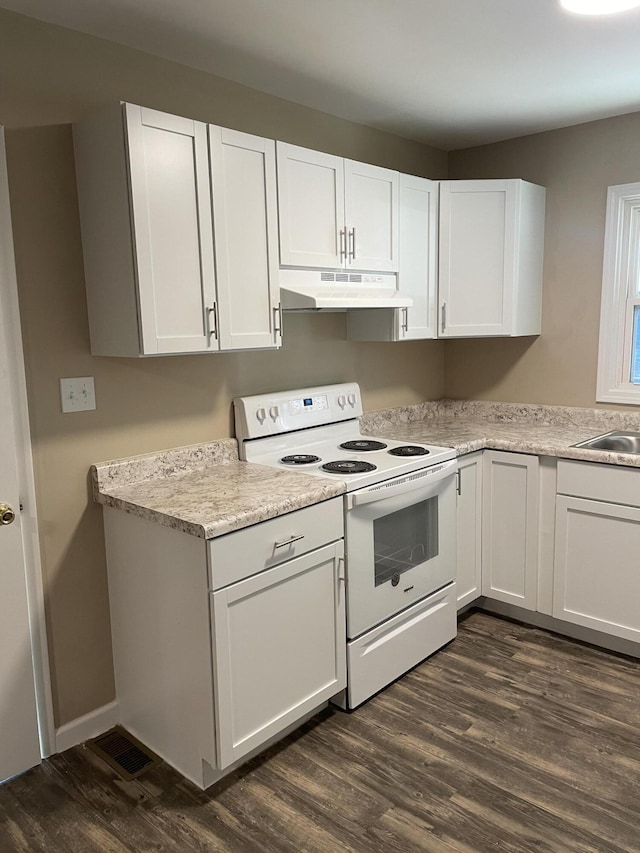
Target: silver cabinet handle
[(405, 320), (352, 244), (458, 483), (277, 320), (286, 542), (343, 244), (444, 316), (212, 313)]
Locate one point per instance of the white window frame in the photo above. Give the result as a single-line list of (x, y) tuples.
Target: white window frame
[(620, 277)]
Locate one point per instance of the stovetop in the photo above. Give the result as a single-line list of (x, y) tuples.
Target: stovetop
[(316, 431), (310, 450)]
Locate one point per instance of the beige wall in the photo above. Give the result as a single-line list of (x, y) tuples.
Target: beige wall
[(50, 77), (576, 164)]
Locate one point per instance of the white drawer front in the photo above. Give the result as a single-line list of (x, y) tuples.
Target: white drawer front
[(262, 546), (388, 651), (612, 483)]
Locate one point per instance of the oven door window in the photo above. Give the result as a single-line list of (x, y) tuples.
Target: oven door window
[(405, 539)]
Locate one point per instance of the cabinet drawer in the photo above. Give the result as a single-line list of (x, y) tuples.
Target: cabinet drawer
[(262, 546), (611, 483)]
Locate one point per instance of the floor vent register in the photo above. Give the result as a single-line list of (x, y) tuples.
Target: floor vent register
[(124, 753)]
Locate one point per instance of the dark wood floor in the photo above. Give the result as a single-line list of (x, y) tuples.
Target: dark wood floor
[(510, 739)]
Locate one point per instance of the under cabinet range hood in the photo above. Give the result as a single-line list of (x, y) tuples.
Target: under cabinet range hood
[(317, 290)]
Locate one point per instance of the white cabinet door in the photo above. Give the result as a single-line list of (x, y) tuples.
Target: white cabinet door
[(279, 649), (310, 208), (477, 221), (510, 510), (171, 221), (243, 177), (490, 265), (469, 518), (417, 271), (335, 213), (371, 216), (596, 577)]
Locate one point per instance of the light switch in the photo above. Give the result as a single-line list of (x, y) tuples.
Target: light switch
[(77, 394)]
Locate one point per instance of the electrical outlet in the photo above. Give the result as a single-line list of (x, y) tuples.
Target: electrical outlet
[(77, 394)]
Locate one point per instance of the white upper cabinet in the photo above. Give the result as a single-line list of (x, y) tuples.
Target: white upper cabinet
[(417, 274), (371, 216), (417, 271), (490, 265), (471, 260), (336, 213), (311, 207), (245, 215), (171, 229), (145, 182)]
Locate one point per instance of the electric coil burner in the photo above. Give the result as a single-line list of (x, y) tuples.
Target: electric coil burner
[(300, 459), (363, 445), (409, 450), (348, 466)]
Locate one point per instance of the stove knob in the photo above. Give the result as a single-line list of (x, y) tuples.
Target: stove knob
[(352, 400), (261, 415), (274, 412), (342, 401)]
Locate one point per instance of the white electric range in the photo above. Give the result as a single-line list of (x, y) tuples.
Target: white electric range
[(400, 526)]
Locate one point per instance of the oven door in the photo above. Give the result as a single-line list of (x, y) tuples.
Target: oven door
[(400, 544)]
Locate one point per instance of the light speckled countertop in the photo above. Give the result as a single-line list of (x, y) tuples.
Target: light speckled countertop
[(205, 491), (540, 430)]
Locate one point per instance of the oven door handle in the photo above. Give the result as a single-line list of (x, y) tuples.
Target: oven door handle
[(421, 480)]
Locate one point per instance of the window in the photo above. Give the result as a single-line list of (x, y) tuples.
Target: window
[(619, 350), (635, 349)]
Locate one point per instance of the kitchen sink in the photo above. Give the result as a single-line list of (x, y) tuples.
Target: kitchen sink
[(616, 441)]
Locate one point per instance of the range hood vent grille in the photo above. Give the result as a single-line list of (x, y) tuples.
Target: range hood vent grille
[(343, 277)]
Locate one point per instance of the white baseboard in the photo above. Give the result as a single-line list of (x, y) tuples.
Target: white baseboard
[(90, 725)]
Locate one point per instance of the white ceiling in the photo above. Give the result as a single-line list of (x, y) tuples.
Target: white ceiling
[(451, 73)]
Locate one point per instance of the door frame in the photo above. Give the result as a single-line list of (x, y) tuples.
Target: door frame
[(29, 517)]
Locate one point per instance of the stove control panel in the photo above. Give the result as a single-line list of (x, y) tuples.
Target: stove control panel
[(305, 405), (273, 414)]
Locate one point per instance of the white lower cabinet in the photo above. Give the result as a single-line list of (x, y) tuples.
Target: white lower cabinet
[(278, 649), (510, 528), (469, 534), (596, 578), (222, 646), (556, 537)]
